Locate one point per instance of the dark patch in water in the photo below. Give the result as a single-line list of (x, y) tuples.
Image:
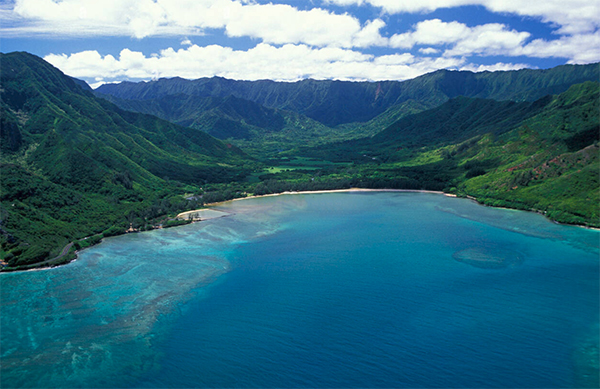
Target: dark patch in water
[(587, 361), (489, 258)]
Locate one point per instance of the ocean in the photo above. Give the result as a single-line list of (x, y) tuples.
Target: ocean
[(336, 290)]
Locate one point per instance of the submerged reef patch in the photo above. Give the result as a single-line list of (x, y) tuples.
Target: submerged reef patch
[(489, 258)]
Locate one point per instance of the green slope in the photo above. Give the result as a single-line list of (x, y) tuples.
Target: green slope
[(259, 130), (339, 102), (74, 165), (267, 117), (455, 121), (537, 156), (550, 163)]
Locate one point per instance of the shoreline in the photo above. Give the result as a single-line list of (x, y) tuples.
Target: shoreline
[(311, 192), (212, 214), (395, 190), (331, 191)]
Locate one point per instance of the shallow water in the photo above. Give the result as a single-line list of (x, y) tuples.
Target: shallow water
[(316, 290)]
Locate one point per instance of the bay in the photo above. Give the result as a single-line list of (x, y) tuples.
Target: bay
[(356, 289)]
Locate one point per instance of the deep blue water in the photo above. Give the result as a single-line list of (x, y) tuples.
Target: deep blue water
[(322, 290)]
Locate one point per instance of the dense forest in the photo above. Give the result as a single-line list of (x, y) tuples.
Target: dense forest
[(78, 165), (266, 117), (75, 166)]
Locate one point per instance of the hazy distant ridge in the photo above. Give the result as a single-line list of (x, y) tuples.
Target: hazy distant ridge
[(338, 102)]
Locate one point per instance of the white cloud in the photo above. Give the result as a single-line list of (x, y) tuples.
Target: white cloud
[(280, 24), (431, 32), (486, 39), (271, 23), (261, 62), (576, 22), (398, 6), (370, 35), (572, 16), (395, 59), (580, 49), (86, 64), (500, 66), (489, 39), (279, 27), (99, 83), (428, 50), (92, 17)]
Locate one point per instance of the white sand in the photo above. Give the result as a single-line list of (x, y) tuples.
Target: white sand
[(203, 214), (333, 191)]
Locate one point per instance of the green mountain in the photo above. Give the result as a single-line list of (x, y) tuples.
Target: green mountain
[(340, 102), (74, 165), (455, 121), (76, 168), (549, 163), (267, 117), (540, 156), (259, 130)]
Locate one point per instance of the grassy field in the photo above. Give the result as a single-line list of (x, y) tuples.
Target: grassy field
[(282, 165)]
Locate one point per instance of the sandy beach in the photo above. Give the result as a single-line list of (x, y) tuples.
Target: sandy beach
[(185, 215), (201, 214), (334, 191), (363, 190)]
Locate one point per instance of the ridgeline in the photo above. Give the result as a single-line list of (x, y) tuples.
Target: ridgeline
[(76, 167)]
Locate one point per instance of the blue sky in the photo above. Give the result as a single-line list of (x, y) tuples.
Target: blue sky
[(287, 40)]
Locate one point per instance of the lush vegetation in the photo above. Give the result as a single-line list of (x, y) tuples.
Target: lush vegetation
[(257, 129), (76, 168), (549, 163), (74, 165), (338, 102), (540, 156), (266, 118)]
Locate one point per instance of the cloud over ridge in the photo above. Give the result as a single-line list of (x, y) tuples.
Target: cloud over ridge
[(310, 38), (262, 62), (573, 16), (271, 23)]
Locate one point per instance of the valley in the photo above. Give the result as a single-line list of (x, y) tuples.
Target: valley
[(80, 164)]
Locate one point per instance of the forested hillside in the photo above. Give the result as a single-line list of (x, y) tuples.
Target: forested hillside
[(549, 163), (455, 121), (266, 117), (260, 130), (76, 168), (542, 155), (74, 165), (338, 102)]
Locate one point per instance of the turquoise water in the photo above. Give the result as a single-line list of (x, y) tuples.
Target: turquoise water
[(319, 290)]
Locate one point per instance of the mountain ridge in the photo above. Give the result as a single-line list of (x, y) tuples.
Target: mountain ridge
[(74, 165), (242, 122), (334, 102), (76, 168), (542, 156)]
